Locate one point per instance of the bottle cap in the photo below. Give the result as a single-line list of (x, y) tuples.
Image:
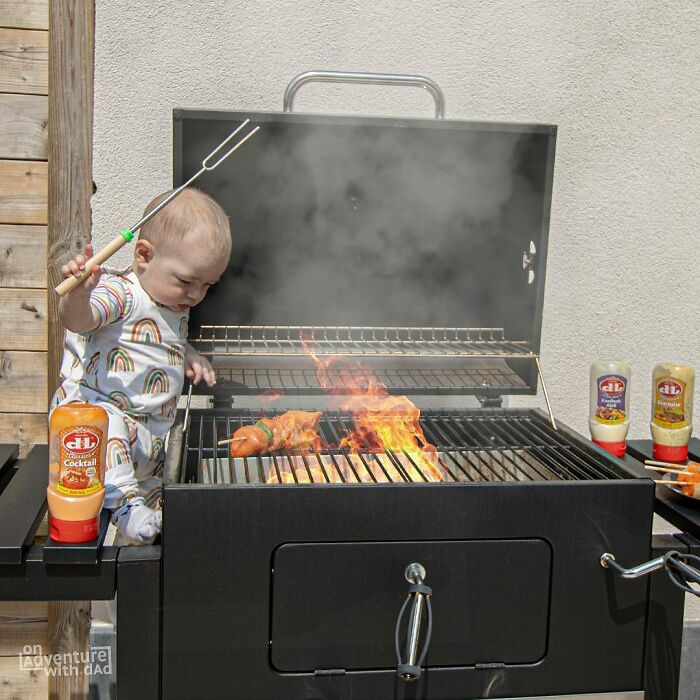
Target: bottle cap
[(617, 448), (668, 453), (73, 530)]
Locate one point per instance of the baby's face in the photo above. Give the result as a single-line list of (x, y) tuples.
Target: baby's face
[(179, 276)]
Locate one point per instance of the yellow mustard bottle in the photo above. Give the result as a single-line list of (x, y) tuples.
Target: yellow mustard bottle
[(77, 451), (672, 390)]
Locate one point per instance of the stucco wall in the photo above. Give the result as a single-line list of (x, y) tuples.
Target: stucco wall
[(619, 78)]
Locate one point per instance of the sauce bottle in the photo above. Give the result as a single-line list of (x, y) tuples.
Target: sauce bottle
[(77, 449), (608, 418), (672, 410)]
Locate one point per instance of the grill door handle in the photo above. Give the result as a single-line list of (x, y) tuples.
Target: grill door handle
[(419, 595), (331, 76)]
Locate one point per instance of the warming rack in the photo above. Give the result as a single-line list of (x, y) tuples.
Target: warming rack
[(421, 380), (359, 340), (473, 446), (372, 342)]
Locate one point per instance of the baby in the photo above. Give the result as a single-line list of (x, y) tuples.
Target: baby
[(126, 347)]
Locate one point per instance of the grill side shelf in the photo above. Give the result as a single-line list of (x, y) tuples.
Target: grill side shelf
[(22, 505), (682, 512)]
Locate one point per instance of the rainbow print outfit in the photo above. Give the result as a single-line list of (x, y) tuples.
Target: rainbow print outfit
[(132, 365)]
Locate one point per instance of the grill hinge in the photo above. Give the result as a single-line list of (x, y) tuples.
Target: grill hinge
[(490, 401), (330, 672)]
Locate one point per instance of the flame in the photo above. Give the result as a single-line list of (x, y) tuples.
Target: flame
[(384, 423)]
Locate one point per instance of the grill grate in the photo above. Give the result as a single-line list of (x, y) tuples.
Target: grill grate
[(356, 340), (473, 446)]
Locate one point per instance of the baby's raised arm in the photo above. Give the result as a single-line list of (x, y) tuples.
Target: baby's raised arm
[(77, 314)]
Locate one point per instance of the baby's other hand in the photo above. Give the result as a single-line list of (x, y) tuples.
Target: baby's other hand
[(74, 268), (197, 367)]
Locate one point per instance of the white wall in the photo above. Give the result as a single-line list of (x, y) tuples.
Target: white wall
[(620, 79)]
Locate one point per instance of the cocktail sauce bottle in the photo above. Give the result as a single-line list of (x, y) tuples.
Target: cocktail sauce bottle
[(77, 450)]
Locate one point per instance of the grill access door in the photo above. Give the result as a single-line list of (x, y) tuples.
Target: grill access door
[(348, 592), (290, 592)]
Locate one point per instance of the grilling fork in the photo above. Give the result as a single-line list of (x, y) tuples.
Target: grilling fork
[(127, 234)]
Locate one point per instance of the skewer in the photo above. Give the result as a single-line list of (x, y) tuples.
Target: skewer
[(672, 471), (127, 234), (670, 481), (671, 465), (227, 441)]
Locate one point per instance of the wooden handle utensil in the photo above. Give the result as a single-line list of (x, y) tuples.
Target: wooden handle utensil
[(107, 252), (127, 235)]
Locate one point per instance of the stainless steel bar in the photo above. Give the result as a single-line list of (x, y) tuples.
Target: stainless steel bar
[(321, 467), (499, 427), (276, 467), (554, 470), (403, 473), (427, 425), (206, 166), (186, 419), (360, 456), (200, 446), (414, 465), (261, 470), (559, 456), (464, 454), (344, 452), (592, 468), (492, 452), (549, 453), (544, 391), (607, 560), (414, 624)]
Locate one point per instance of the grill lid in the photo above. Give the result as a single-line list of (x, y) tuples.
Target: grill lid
[(418, 245)]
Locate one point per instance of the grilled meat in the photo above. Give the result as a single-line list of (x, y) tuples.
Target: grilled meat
[(293, 430)]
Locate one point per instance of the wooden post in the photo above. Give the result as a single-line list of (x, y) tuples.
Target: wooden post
[(71, 70)]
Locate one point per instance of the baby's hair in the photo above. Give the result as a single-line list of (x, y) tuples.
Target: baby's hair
[(190, 208)]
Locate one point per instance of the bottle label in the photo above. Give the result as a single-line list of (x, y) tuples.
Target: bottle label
[(669, 402), (612, 392), (79, 460)]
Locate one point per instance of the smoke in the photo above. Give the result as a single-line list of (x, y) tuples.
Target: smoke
[(345, 224)]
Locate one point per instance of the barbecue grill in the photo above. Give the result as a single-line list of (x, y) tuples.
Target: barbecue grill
[(414, 250)]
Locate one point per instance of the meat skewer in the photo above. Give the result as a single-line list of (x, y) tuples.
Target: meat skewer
[(672, 471), (293, 430), (690, 485), (691, 466)]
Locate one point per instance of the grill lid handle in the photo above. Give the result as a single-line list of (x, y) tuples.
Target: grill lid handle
[(420, 594), (331, 76)]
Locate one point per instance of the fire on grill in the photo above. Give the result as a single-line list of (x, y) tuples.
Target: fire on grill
[(383, 425)]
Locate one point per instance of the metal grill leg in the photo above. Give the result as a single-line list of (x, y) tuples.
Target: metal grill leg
[(664, 628), (138, 622)]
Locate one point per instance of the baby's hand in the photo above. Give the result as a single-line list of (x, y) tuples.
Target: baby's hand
[(198, 367), (74, 268)]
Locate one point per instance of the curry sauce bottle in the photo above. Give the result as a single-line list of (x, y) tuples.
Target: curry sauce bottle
[(609, 418), (672, 410), (77, 450)]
